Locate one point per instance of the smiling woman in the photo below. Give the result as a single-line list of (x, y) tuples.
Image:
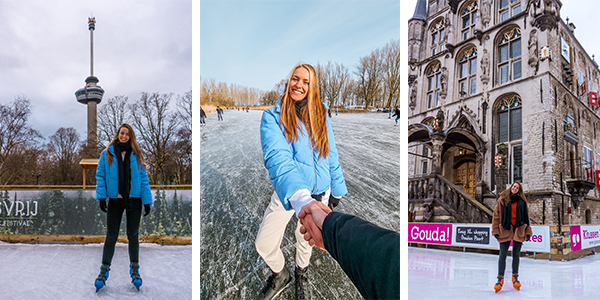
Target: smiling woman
[(300, 154)]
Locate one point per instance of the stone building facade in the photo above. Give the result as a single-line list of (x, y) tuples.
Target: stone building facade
[(507, 79)]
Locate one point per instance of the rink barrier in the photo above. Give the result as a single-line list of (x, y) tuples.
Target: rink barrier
[(552, 242), (59, 213), (70, 238)]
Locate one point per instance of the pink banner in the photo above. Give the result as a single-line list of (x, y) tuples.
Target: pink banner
[(576, 238), (429, 233)]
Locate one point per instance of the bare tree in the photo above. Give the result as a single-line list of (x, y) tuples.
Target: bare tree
[(156, 127), (15, 134), (184, 110), (347, 93), (111, 115), (336, 77), (63, 150), (391, 58), (369, 83)]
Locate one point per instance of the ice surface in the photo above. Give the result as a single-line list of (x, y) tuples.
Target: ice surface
[(235, 191), (442, 274), (68, 271)]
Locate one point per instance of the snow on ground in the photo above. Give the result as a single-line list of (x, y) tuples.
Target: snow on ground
[(442, 274), (68, 271), (235, 191)]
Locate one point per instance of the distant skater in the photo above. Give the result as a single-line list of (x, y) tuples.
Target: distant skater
[(389, 112), (510, 222), (122, 179), (300, 154), (219, 114), (396, 114), (202, 117)]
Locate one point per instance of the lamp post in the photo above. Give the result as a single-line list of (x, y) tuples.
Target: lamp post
[(37, 176)]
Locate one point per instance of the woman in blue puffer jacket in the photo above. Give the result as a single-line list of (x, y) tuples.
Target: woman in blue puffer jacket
[(121, 177), (300, 154)]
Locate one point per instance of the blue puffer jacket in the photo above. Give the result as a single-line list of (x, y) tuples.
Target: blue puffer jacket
[(107, 179), (297, 166)]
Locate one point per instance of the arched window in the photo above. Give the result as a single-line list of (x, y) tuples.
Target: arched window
[(509, 56), (509, 8), (509, 112), (433, 85), (468, 15), (467, 71), (437, 36)]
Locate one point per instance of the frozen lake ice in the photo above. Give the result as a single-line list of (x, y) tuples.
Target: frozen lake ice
[(235, 190), (68, 271), (443, 274)]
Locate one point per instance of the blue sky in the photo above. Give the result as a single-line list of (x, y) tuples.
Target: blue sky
[(257, 43)]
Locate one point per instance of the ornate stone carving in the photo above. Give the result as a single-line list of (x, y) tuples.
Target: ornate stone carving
[(533, 49), (413, 95), (444, 82), (486, 8), (545, 14), (485, 67)]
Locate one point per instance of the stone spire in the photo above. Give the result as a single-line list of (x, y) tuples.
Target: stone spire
[(420, 10)]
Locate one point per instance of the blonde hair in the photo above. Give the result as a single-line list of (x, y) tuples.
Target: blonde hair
[(313, 114), (135, 147)]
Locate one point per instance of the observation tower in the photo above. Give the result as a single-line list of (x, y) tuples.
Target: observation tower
[(91, 94)]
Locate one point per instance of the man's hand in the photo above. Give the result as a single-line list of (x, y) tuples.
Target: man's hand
[(312, 217)]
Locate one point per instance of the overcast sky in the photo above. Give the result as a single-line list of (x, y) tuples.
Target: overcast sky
[(257, 43), (139, 46), (583, 13)]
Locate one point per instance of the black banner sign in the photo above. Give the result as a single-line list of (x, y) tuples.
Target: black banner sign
[(472, 235)]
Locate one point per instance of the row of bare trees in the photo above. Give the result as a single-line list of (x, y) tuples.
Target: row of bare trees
[(228, 95), (375, 82), (163, 130)]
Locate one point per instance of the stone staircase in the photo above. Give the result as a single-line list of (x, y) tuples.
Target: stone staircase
[(433, 198)]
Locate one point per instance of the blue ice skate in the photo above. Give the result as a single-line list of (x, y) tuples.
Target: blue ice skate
[(134, 272), (102, 277)]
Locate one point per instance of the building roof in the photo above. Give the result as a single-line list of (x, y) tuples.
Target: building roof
[(420, 10)]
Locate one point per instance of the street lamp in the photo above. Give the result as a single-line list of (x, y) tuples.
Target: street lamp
[(37, 176)]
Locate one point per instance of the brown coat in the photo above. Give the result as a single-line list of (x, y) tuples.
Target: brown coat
[(519, 235)]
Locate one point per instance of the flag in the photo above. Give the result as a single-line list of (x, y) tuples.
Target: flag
[(594, 98), (589, 174), (598, 179)]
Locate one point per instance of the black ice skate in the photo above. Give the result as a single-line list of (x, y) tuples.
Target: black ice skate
[(275, 284)]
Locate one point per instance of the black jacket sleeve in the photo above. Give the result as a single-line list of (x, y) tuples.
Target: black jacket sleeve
[(368, 254)]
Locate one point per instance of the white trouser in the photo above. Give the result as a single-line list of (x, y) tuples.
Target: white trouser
[(270, 234)]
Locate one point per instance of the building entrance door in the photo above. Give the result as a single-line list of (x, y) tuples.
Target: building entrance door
[(465, 177)]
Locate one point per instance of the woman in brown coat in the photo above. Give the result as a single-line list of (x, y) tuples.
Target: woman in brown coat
[(510, 223)]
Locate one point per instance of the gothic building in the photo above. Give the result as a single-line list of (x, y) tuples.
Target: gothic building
[(500, 91)]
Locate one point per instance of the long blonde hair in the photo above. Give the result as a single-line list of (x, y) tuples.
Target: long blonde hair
[(135, 147), (313, 114)]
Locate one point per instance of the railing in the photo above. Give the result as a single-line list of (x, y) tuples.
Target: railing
[(458, 203), (85, 187)]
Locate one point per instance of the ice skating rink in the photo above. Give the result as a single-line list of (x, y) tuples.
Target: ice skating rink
[(444, 275), (68, 271), (235, 190)]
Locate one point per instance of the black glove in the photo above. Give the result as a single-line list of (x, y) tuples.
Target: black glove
[(528, 236), (146, 209), (103, 205), (496, 236), (333, 202)]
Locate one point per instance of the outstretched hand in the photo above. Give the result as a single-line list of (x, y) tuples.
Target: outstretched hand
[(312, 217)]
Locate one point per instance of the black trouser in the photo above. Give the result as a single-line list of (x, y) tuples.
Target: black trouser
[(516, 252), (113, 222)]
